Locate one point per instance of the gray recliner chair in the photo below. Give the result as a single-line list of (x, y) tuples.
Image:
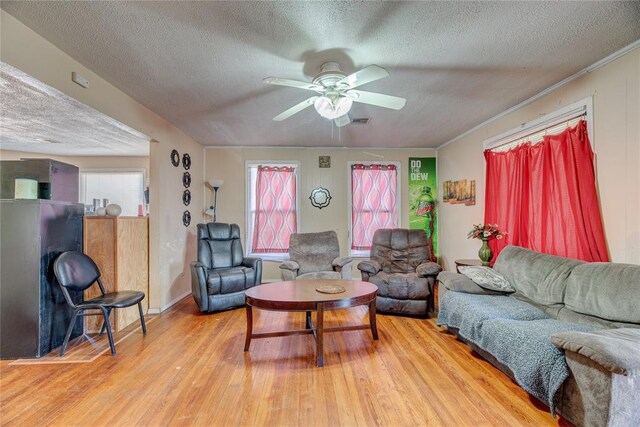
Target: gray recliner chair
[(222, 274), (401, 268), (315, 256)]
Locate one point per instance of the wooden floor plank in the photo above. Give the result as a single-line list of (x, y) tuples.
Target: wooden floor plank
[(190, 369)]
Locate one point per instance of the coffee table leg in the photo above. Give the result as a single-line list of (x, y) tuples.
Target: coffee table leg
[(247, 340), (320, 333), (372, 319), (308, 324)]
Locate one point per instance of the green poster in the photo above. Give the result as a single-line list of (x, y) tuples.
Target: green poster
[(423, 196)]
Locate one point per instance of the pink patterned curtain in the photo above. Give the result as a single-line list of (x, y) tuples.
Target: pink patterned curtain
[(373, 205), (275, 209)]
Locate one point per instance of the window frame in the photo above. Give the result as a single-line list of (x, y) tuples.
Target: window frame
[(112, 170), (249, 217), (398, 165)]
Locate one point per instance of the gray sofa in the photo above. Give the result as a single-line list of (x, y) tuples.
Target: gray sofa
[(569, 335)]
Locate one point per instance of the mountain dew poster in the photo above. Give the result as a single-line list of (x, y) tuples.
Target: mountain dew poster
[(423, 196)]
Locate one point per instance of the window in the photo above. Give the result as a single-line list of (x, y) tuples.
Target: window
[(124, 187), (541, 186), (374, 202), (272, 205)]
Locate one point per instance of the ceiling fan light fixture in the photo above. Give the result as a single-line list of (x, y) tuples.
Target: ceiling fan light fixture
[(332, 109)]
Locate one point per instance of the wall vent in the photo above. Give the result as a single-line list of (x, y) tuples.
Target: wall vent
[(361, 121)]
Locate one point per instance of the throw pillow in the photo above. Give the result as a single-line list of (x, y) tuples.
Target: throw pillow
[(487, 278)]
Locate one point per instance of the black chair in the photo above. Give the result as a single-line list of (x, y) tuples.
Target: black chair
[(77, 272)]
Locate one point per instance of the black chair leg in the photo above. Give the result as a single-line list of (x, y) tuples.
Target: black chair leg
[(144, 326), (69, 330), (104, 323), (105, 313)]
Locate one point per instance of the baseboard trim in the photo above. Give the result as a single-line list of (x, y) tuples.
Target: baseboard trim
[(169, 304)]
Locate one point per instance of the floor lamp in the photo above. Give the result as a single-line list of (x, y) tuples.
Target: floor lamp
[(215, 184)]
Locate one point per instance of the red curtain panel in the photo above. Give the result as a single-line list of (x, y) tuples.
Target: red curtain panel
[(374, 202), (544, 196), (275, 218)]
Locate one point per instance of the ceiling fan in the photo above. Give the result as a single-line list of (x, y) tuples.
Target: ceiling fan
[(336, 92)]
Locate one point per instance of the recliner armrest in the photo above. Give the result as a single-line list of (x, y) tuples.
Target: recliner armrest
[(290, 265), (199, 285), (616, 350), (341, 261), (251, 262), (370, 266), (427, 269)]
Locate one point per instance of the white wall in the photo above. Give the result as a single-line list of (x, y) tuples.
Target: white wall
[(171, 244), (615, 88), (229, 164)]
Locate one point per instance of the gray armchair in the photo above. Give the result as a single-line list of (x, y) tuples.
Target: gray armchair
[(401, 268), (222, 274), (315, 256)]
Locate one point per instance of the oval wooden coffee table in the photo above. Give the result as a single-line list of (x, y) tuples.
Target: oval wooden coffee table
[(301, 295)]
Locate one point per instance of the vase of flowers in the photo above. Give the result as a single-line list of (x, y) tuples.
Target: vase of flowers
[(485, 232)]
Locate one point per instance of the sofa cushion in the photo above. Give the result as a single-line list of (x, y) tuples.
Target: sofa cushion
[(487, 278), (525, 348), (540, 277), (461, 283), (606, 290), (467, 312)]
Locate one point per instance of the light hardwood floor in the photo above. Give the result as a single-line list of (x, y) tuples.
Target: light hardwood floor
[(190, 369)]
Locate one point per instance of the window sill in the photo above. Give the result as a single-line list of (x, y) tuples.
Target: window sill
[(360, 254), (270, 257)]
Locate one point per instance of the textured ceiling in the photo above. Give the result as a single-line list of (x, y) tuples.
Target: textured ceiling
[(39, 119), (201, 64)]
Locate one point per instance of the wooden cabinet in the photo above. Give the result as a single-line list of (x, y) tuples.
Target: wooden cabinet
[(120, 248)]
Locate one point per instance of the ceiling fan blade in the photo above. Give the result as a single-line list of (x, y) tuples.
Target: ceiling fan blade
[(342, 120), (293, 83), (378, 99), (364, 76), (295, 109)]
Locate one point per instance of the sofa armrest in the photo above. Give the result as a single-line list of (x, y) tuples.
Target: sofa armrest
[(370, 266), (341, 261), (289, 270), (199, 285), (460, 283), (256, 264), (617, 350), (290, 265), (251, 262), (427, 269)]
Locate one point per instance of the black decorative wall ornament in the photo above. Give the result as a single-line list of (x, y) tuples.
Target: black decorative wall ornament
[(186, 197), (186, 179), (186, 218), (320, 197), (186, 161), (175, 158)]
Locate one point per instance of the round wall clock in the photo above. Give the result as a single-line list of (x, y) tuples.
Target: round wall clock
[(175, 158), (186, 218), (186, 161), (186, 197), (320, 197), (186, 179)]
